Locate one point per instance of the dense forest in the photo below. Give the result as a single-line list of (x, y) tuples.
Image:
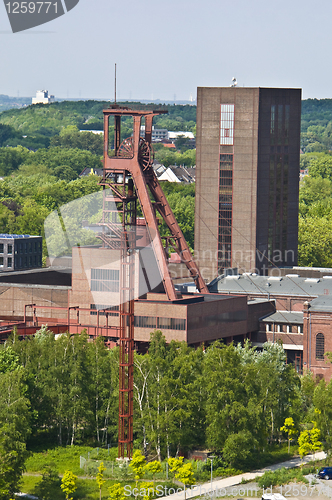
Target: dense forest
[(231, 399)]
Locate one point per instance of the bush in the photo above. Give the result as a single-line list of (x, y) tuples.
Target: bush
[(225, 472), (309, 470), (281, 476)]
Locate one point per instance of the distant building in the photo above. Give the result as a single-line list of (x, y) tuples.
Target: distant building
[(158, 134), (91, 171), (19, 251), (97, 132), (175, 135), (162, 134), (42, 97), (304, 173), (174, 173), (247, 178)]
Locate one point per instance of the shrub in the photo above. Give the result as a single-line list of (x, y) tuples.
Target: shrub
[(281, 476)]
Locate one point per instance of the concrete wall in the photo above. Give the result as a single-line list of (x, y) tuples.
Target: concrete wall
[(13, 298)]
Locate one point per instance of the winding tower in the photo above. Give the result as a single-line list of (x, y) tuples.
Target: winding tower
[(128, 177)]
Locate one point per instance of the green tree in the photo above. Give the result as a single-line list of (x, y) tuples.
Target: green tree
[(50, 482), (183, 472), (100, 477), (103, 386), (230, 405), (168, 394), (12, 158), (9, 360), (175, 463), (315, 241), (6, 132), (32, 219), (322, 399), (14, 430), (322, 167), (313, 190), (279, 386), (153, 467), (289, 429), (183, 208), (71, 137), (76, 158), (238, 447), (72, 385), (182, 143), (146, 490), (69, 484), (309, 441), (185, 475), (116, 492), (138, 464)]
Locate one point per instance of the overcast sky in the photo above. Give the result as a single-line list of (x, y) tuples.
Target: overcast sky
[(166, 49)]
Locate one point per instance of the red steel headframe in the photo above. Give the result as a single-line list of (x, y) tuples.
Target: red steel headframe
[(129, 175)]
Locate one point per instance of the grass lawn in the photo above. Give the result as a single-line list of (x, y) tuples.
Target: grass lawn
[(50, 490), (59, 459), (65, 458)]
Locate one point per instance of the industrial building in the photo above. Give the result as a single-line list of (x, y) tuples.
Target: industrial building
[(302, 317), (87, 297), (247, 178), (20, 251)]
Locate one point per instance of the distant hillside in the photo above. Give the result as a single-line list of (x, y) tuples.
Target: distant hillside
[(316, 112), (7, 102), (51, 118), (42, 122)]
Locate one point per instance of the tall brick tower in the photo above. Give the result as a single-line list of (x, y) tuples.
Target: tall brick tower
[(247, 179)]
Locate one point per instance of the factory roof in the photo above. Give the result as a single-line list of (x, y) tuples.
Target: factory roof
[(49, 277), (294, 317), (291, 285), (17, 236), (321, 304)]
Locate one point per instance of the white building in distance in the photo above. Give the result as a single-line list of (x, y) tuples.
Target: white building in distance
[(42, 97)]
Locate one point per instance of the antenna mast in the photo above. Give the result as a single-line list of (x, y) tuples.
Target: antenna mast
[(115, 84)]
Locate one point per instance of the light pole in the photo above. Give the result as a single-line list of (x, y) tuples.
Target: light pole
[(211, 457)]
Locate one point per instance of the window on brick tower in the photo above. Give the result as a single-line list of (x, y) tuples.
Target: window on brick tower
[(320, 346)]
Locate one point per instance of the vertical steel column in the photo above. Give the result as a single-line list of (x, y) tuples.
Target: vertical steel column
[(126, 359)]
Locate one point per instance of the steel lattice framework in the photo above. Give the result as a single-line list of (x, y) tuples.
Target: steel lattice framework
[(130, 177)]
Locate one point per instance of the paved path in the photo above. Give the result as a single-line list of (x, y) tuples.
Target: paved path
[(217, 486)]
